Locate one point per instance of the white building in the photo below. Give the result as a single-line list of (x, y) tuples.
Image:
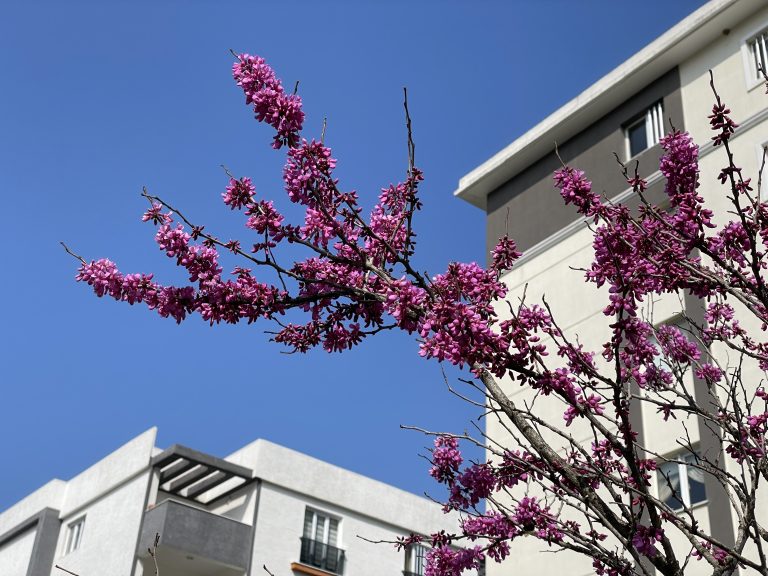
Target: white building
[(624, 113), (264, 505)]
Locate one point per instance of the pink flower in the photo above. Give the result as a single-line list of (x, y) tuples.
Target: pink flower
[(238, 193), (446, 459), (645, 538)]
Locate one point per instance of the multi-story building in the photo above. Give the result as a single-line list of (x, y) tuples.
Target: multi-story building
[(264, 505), (626, 112)]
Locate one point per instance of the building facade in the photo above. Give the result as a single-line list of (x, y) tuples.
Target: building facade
[(264, 505), (626, 113)]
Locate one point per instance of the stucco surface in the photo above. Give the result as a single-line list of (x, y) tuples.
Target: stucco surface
[(15, 555)]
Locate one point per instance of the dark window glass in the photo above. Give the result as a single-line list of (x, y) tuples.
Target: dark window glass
[(638, 139), (696, 492), (669, 485), (680, 484)]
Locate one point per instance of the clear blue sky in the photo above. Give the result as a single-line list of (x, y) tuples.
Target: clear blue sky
[(100, 98)]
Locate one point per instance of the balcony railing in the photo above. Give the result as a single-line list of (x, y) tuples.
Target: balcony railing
[(323, 556), (219, 545)]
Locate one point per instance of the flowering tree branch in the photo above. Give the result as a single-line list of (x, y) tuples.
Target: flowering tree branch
[(596, 498)]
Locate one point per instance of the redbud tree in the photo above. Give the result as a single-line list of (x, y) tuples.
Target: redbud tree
[(599, 498)]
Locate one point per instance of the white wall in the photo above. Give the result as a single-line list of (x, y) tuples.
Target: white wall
[(15, 555), (279, 528), (51, 495), (112, 526), (366, 508), (726, 57), (110, 495), (328, 483)]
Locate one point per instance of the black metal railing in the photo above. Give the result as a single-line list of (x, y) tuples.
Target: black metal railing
[(320, 555)]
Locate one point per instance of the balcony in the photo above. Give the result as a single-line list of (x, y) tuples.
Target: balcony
[(322, 556), (194, 541)]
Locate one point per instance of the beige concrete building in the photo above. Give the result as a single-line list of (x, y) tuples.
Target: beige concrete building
[(625, 113)]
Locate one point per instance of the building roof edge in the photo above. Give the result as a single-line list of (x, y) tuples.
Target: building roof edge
[(667, 51)]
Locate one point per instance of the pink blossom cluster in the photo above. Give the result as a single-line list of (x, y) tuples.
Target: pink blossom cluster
[(616, 567), (471, 486), (458, 326), (403, 299), (105, 279), (504, 254), (447, 561), (721, 122), (309, 181), (531, 516), (576, 189), (528, 518), (214, 298), (497, 528), (676, 346), (446, 459), (645, 539), (709, 372), (390, 235), (721, 556), (731, 243), (524, 331), (680, 167), (270, 102)]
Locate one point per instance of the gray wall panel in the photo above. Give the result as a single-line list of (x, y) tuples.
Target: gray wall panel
[(530, 209), (199, 532)]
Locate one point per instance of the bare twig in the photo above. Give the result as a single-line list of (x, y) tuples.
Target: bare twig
[(153, 553), (322, 133), (411, 145), (82, 260)]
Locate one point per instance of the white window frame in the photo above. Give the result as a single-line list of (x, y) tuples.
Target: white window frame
[(412, 558), (653, 119), (74, 538), (315, 521), (685, 489), (756, 39), (325, 517)]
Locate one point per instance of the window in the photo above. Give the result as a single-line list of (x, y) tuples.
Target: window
[(645, 131), (74, 535), (680, 484), (318, 544), (320, 528), (415, 560), (757, 47)]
